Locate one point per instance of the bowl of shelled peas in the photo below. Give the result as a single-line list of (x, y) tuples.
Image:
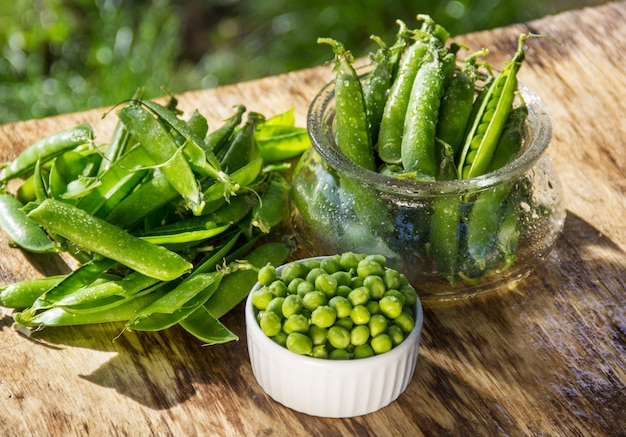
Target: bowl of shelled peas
[(433, 159), (333, 336)]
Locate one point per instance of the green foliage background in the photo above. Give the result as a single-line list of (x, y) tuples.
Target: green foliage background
[(61, 56)]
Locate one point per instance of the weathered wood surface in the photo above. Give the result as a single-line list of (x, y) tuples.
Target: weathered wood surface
[(545, 359)]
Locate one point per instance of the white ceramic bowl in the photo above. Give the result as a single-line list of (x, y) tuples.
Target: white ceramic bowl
[(331, 388)]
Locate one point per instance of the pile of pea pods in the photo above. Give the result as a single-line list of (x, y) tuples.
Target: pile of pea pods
[(420, 113), (168, 221)]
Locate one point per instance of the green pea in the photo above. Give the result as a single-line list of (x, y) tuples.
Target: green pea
[(359, 296), (339, 354), (267, 274), (314, 299), (349, 261), (278, 288), (397, 294), (341, 305), (345, 322), (390, 306), (376, 285), (343, 290), (292, 286), (310, 264), (359, 335), (299, 343), (276, 306), (342, 278), (323, 316), (381, 344), (377, 324), (296, 323), (338, 337), (360, 315), (270, 323), (405, 322), (356, 282), (392, 279), (280, 339), (318, 335), (319, 351), (395, 334), (410, 295), (380, 259), (261, 297), (304, 287), (327, 284), (293, 270), (369, 267), (292, 304), (330, 265), (373, 307), (313, 274), (363, 351)]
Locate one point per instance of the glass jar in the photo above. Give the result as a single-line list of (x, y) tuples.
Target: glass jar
[(452, 239)]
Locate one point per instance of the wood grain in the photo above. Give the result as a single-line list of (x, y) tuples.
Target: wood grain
[(547, 358)]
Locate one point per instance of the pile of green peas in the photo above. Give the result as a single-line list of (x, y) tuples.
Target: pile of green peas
[(340, 307)]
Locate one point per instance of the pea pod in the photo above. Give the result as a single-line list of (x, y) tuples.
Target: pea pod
[(242, 147), (23, 294), (272, 208), (511, 139), (22, 230), (235, 287), (177, 304), (487, 127), (418, 140), (160, 145), (389, 144), (205, 327), (46, 149), (352, 128), (218, 139), (109, 240)]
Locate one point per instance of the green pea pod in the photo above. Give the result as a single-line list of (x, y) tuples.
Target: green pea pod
[(211, 261), (511, 139), (186, 237), (242, 148), (272, 208), (281, 142), (486, 128), (457, 103), (22, 230), (108, 240), (142, 202), (202, 325), (389, 144), (46, 149), (379, 79), (117, 181), (352, 128), (73, 175), (84, 275), (199, 125), (218, 139), (161, 147), (445, 235), (236, 286), (109, 293), (508, 236), (243, 177), (483, 222), (177, 304), (62, 317), (23, 294), (418, 140)]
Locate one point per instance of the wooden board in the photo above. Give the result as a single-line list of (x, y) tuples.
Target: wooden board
[(545, 359)]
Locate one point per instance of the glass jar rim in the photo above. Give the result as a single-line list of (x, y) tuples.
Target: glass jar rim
[(538, 126)]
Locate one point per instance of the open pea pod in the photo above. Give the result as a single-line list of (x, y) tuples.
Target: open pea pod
[(202, 325), (73, 175)]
